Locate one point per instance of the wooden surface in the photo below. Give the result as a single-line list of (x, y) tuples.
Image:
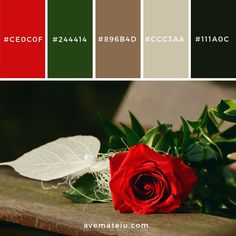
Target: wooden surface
[(23, 201)]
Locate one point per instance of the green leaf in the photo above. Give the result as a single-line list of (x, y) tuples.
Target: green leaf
[(210, 123), (110, 128), (149, 136), (195, 124), (226, 110), (164, 142), (85, 191), (186, 133), (227, 146), (203, 113), (232, 107), (136, 126), (229, 133), (153, 135), (176, 137), (229, 176), (131, 136), (230, 205), (200, 153), (208, 141)]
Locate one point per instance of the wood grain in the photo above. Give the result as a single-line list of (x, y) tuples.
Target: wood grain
[(24, 202)]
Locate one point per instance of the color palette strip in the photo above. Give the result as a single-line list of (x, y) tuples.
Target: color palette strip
[(117, 39)]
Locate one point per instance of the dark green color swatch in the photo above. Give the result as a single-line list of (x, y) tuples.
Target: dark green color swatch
[(70, 38)]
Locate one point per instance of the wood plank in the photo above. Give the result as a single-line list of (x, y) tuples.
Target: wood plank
[(24, 202)]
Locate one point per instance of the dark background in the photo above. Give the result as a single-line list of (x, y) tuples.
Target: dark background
[(213, 18), (34, 113)]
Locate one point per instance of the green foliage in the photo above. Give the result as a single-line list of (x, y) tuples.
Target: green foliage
[(226, 110), (136, 126), (202, 144), (85, 191)]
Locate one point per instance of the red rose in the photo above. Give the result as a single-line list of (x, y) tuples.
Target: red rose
[(144, 181)]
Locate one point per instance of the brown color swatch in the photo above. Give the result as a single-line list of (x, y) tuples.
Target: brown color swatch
[(115, 19)]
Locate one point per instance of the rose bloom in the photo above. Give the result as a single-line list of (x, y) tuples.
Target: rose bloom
[(144, 181)]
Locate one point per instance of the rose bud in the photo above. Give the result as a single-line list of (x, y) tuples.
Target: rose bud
[(144, 181)]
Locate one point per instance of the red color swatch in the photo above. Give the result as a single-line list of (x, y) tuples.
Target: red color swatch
[(20, 21)]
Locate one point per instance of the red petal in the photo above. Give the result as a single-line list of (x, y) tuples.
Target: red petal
[(116, 161), (186, 176)]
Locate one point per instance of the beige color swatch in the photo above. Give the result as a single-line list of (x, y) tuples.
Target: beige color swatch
[(119, 19), (166, 18)]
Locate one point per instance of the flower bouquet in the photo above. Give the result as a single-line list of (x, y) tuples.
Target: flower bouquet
[(158, 171)]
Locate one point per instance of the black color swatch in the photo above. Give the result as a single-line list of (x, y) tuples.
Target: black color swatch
[(214, 18)]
